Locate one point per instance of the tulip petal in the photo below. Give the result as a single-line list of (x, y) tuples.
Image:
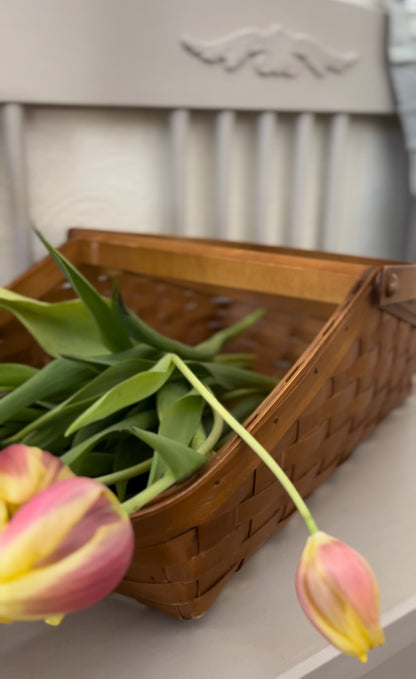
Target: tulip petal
[(353, 578), (4, 515), (339, 593), (54, 620), (316, 617), (41, 524), (64, 550), (333, 618), (78, 581), (25, 470)]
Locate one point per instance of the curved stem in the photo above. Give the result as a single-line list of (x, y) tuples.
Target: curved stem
[(136, 502), (207, 446), (123, 474), (251, 441)]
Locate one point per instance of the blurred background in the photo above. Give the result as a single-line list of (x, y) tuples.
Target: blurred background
[(110, 168)]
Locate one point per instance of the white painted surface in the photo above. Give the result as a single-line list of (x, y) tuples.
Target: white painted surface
[(402, 666)]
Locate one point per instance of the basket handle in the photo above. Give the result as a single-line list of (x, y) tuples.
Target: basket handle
[(395, 288)]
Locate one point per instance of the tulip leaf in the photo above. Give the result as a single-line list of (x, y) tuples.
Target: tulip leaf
[(45, 434), (95, 427), (5, 431), (199, 437), (146, 419), (141, 331), (179, 420), (181, 459), (231, 377), (87, 394), (104, 366), (59, 327), (126, 393), (137, 329), (238, 359), (18, 421), (12, 375), (214, 343), (166, 395), (112, 331), (127, 455), (91, 430), (169, 393), (110, 378), (26, 415), (96, 464), (59, 376), (137, 351)]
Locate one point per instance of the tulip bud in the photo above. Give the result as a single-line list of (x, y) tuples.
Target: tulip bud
[(24, 471), (63, 550), (338, 592)]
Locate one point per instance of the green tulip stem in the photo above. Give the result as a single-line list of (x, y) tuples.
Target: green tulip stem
[(283, 479), (208, 445), (124, 474), (135, 503)]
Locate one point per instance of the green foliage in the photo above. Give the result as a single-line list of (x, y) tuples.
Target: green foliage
[(107, 321), (113, 401), (59, 328), (179, 411), (12, 375)]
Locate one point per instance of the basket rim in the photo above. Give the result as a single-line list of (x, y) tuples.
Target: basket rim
[(306, 363), (312, 368)]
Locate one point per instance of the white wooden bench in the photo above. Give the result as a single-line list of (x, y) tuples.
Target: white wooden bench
[(271, 121)]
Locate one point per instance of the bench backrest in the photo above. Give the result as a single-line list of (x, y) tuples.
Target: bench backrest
[(286, 74)]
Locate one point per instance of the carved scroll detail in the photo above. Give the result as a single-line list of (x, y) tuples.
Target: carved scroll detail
[(273, 51)]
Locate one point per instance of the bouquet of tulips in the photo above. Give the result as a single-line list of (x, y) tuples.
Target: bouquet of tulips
[(124, 413)]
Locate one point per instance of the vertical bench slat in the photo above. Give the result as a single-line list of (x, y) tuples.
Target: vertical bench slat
[(15, 158), (304, 123), (338, 135), (179, 126), (224, 137), (265, 132)]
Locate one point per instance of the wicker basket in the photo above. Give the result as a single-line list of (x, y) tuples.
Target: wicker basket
[(340, 332)]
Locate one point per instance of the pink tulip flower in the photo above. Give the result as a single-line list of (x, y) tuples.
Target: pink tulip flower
[(65, 542), (338, 591)]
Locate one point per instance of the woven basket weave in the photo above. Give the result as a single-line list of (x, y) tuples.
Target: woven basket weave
[(340, 332)]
